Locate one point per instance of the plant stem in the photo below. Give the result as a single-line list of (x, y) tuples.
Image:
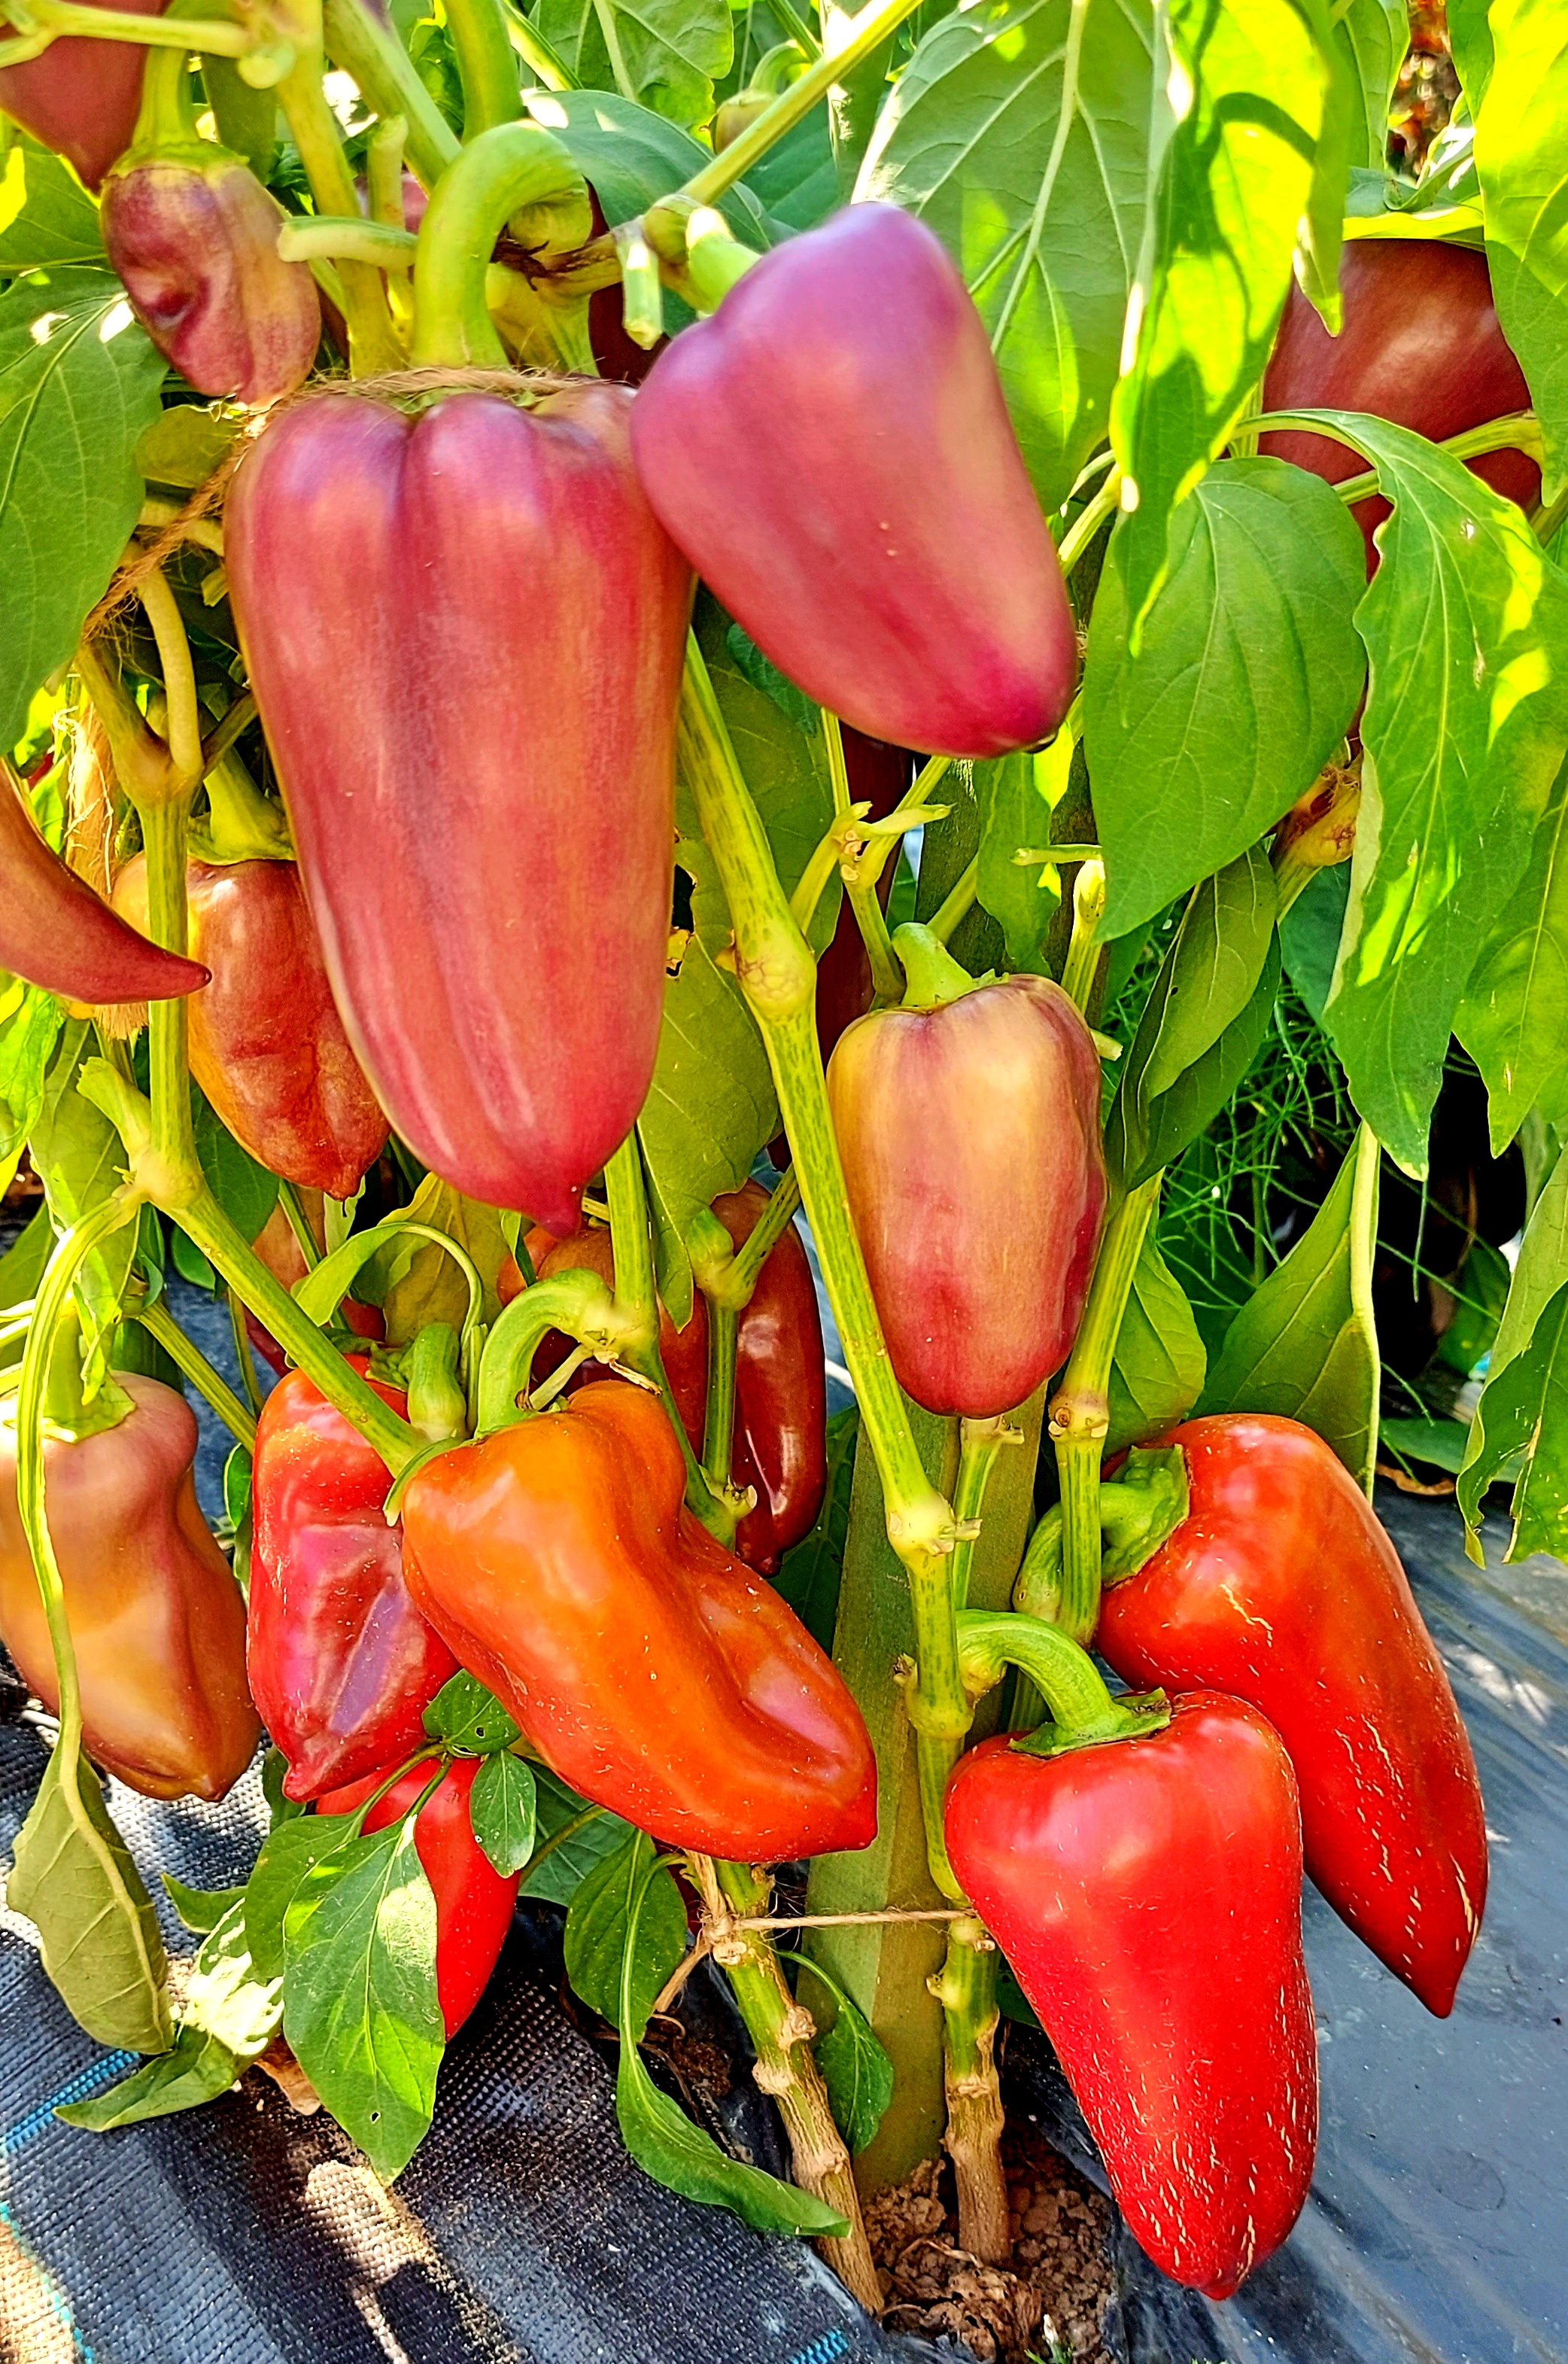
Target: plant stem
[(242, 1355), (512, 167), (887, 977), (944, 921), (777, 977), (1080, 1413), (486, 65), (980, 1442), (718, 1425), (966, 1988), (637, 1298), (1085, 526), (161, 1324), (1084, 949), (781, 2030), (374, 344), (299, 1224), (388, 80)]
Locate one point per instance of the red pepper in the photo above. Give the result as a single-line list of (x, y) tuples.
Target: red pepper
[(194, 236), (832, 451), (56, 933), (1281, 1587), (1148, 1895), (155, 1615), (780, 1445), (970, 1135), (474, 1903), (341, 1664), (267, 1045), (655, 1673), (81, 97), (1420, 346), (465, 633)]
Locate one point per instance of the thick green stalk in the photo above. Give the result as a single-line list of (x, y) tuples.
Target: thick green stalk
[(967, 1989), (515, 167), (374, 344), (486, 64), (81, 21), (869, 30), (1080, 1410), (161, 1324), (637, 1302), (389, 82), (718, 1424)]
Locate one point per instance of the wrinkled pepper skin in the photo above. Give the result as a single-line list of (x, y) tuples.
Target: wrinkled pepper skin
[(474, 1903), (1148, 1895), (779, 1442), (655, 1673), (342, 1666), (82, 97), (196, 243), (465, 634), (267, 1045), (1420, 346), (1281, 1588), (155, 1615), (832, 451), (971, 1141), (56, 933)]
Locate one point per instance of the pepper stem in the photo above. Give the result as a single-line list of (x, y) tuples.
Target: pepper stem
[(1082, 1710), (511, 168), (965, 1986), (932, 976), (637, 1302), (211, 1386), (486, 65)]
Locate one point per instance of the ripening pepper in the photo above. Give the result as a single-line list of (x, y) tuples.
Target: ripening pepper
[(780, 1443), (969, 1130), (267, 1045), (832, 451), (474, 1903), (652, 1671), (1148, 1895), (465, 633), (56, 933), (1420, 346), (81, 97), (155, 1615), (341, 1664), (1281, 1587)]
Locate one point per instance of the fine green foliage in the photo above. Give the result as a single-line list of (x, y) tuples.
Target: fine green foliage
[(594, 1836), (666, 54), (47, 218), (1245, 679), (78, 384), (631, 156), (1305, 1346), (1372, 37), (359, 2005), (200, 1908), (80, 1159), (602, 1921), (809, 1574), (31, 1020), (1019, 130), (73, 1877), (504, 1809)]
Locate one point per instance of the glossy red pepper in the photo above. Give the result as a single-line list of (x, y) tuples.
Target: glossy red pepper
[(194, 236), (465, 634), (1148, 1895), (57, 933), (341, 1664), (81, 97), (1281, 1587), (1420, 346), (779, 1442), (655, 1673), (971, 1141), (832, 451), (155, 1615), (474, 1903), (267, 1045)]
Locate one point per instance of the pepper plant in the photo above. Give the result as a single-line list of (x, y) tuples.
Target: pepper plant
[(434, 782)]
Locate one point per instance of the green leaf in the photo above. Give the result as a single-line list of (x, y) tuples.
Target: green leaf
[(1442, 1443), (1158, 1371), (423, 1282), (1470, 38), (80, 1159), (468, 1719), (564, 1870), (1466, 726), (73, 1877), (503, 1808), (31, 1020), (1513, 1020), (244, 1189), (47, 218), (1521, 1405), (1523, 169), (289, 1851), (632, 156), (1305, 1345), (197, 2071), (1245, 680), (1310, 935), (810, 1571), (184, 445), (1373, 36), (598, 1921), (710, 1106), (201, 1908), (1481, 1293), (797, 182), (1203, 1021), (360, 2009), (857, 2073), (1015, 799), (1020, 132), (79, 382), (666, 53), (22, 1266), (666, 2145), (1246, 84), (779, 748)]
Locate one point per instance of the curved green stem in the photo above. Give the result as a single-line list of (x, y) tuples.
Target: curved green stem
[(1520, 431), (577, 1303), (329, 238), (242, 1355), (980, 1442), (299, 1224), (374, 344), (1084, 949), (486, 64), (1080, 1412), (1087, 525), (958, 900), (82, 22), (1082, 1710), (739, 1282), (215, 1389), (637, 1302), (388, 80), (241, 825), (513, 167)]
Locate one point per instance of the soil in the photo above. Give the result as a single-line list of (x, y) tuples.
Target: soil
[(1046, 2307)]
